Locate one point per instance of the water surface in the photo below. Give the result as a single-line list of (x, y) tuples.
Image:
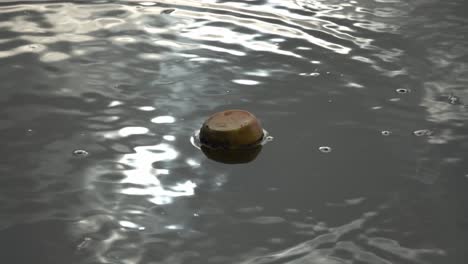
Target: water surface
[(99, 100)]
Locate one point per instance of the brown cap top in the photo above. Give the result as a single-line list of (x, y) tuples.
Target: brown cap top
[(231, 129)]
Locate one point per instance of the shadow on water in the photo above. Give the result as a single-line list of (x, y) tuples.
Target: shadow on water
[(380, 83)]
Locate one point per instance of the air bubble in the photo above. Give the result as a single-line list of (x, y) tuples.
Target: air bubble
[(325, 149), (454, 100), (422, 132), (80, 153), (29, 132), (386, 133), (402, 90)]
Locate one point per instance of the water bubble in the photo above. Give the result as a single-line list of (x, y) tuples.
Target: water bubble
[(325, 149), (454, 100), (422, 132), (80, 153), (394, 99), (402, 90), (386, 133), (29, 132), (269, 138)]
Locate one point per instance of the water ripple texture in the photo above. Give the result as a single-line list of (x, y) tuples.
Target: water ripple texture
[(367, 100)]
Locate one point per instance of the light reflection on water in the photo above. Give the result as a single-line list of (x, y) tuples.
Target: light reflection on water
[(145, 175), (129, 82)]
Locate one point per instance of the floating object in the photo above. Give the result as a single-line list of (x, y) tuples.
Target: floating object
[(402, 90), (386, 133), (325, 149), (231, 129), (422, 132), (80, 153), (231, 136)]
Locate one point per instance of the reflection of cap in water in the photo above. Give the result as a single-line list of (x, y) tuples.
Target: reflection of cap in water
[(232, 156), (231, 129)]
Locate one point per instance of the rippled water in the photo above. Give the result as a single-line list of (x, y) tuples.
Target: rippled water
[(99, 100)]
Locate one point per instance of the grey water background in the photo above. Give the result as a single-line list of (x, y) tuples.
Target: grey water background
[(383, 83)]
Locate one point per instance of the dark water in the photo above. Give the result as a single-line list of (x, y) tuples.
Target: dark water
[(382, 83)]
